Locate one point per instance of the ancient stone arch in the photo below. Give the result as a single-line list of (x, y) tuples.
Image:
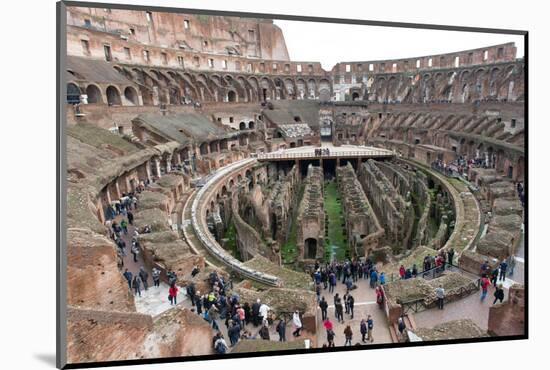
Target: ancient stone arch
[(113, 95), (73, 93), (301, 88), (311, 88), (131, 95), (94, 94), (231, 96)]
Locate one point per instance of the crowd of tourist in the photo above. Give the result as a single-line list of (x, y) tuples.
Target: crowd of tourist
[(124, 207), (495, 276), (221, 304), (461, 165), (348, 273)]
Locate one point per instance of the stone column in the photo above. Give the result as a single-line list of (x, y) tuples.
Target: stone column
[(157, 166), (117, 188), (108, 195), (128, 185), (168, 163), (148, 170)]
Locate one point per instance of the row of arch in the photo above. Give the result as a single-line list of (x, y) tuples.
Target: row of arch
[(156, 86), (164, 86), (507, 162), (111, 94), (502, 82)]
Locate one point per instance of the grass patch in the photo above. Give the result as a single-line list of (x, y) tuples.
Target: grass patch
[(231, 236), (289, 251), (334, 211)]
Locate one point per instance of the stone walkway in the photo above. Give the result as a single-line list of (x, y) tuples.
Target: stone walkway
[(365, 304), (472, 307), (154, 300)]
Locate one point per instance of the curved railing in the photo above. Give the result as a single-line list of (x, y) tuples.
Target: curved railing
[(198, 220), (367, 153)]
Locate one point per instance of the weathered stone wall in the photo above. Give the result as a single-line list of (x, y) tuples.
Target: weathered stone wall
[(311, 217), (249, 241), (504, 215), (508, 318), (167, 252), (388, 204), (282, 202), (93, 278), (109, 335), (203, 36), (362, 224)]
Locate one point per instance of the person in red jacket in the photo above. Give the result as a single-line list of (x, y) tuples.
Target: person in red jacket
[(380, 297), (327, 324), (172, 294), (402, 272), (484, 287)]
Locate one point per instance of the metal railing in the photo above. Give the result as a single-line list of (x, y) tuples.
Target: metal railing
[(338, 154), (415, 306)]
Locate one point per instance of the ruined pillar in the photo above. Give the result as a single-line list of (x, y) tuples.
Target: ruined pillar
[(117, 190), (157, 166), (127, 181), (108, 195), (148, 170), (168, 163)]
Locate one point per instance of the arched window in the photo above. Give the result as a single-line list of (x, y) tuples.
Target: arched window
[(73, 94), (113, 96), (131, 95), (231, 96), (94, 94)]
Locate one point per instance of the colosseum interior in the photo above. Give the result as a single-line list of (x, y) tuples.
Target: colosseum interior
[(198, 149)]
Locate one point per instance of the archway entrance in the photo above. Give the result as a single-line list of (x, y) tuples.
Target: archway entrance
[(310, 248), (113, 96), (131, 95), (94, 94), (231, 96), (73, 94)]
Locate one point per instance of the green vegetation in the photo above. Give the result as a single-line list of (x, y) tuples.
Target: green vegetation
[(231, 236), (335, 244), (289, 251)]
